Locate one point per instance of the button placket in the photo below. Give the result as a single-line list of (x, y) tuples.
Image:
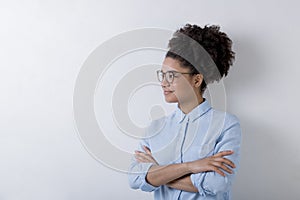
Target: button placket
[(181, 138)]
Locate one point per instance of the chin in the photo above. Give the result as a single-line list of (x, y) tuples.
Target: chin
[(171, 100)]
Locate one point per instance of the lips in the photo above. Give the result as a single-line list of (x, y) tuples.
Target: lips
[(166, 92)]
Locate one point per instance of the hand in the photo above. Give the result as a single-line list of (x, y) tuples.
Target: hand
[(212, 163), (145, 157)]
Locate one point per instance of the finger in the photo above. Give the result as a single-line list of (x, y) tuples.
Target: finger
[(229, 163), (220, 172), (224, 167), (225, 161), (216, 169), (139, 158), (142, 158), (224, 153), (145, 157), (146, 149), (141, 153), (145, 160)]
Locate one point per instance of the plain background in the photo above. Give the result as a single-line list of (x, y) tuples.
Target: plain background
[(44, 43)]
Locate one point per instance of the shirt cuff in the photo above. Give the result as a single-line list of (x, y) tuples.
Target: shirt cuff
[(197, 180), (145, 185)]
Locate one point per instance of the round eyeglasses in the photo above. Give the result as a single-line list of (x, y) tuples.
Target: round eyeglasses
[(169, 75)]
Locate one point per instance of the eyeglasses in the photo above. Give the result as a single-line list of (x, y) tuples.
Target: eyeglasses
[(169, 75)]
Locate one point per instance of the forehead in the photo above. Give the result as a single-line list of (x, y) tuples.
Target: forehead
[(170, 64)]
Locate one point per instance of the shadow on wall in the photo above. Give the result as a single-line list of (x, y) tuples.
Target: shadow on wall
[(267, 171), (268, 165)]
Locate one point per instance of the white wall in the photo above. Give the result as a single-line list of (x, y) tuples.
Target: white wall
[(44, 43)]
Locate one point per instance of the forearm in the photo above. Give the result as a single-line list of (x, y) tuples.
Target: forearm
[(161, 175), (183, 183)]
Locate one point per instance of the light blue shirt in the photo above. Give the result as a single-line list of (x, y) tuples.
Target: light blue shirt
[(180, 138)]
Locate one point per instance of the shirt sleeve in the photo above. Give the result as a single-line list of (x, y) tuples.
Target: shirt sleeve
[(212, 183), (138, 172)]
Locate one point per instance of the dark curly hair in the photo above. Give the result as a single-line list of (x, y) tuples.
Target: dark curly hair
[(212, 58)]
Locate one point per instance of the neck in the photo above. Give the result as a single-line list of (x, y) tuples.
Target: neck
[(187, 107)]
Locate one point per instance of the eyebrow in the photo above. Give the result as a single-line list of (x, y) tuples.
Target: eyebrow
[(170, 71)]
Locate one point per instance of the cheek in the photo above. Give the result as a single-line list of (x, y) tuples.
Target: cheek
[(182, 87), (179, 91), (183, 91)]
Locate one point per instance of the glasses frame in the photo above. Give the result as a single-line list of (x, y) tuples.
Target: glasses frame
[(173, 72)]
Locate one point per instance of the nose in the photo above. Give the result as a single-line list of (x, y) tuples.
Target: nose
[(164, 82)]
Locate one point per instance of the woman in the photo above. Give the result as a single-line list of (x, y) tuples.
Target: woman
[(194, 152)]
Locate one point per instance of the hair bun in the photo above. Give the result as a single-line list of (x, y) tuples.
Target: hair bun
[(216, 44)]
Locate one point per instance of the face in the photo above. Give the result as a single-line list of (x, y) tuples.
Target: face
[(184, 87)]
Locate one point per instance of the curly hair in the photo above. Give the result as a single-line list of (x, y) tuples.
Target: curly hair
[(184, 47)]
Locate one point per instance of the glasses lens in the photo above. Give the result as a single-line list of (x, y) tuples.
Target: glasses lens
[(170, 77), (160, 76)]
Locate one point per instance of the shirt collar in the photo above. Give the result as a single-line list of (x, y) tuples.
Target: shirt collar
[(197, 112)]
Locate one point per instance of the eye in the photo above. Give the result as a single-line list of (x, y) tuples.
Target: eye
[(170, 75)]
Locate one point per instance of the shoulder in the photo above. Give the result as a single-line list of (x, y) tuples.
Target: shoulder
[(228, 126), (226, 118)]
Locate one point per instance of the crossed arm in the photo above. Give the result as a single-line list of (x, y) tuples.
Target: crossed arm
[(178, 175)]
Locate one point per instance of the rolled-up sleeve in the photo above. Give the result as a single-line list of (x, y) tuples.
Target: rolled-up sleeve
[(138, 172), (212, 183)]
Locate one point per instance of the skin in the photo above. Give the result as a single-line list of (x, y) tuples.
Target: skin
[(185, 90), (178, 175)]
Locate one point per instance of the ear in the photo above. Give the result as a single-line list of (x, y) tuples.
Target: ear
[(198, 80)]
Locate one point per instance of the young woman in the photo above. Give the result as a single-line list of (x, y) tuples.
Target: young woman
[(194, 152)]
